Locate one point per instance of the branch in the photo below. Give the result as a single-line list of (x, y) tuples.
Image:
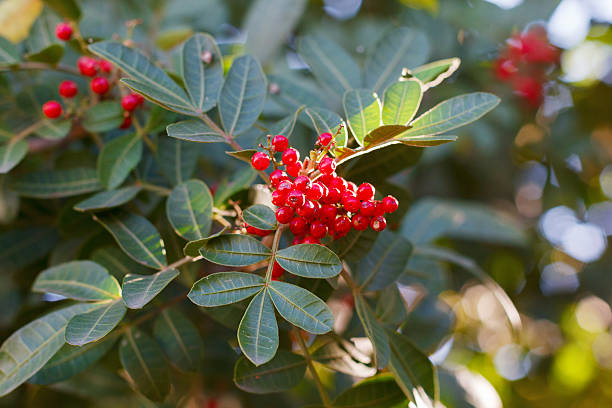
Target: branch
[(41, 66), (324, 397), (275, 242)]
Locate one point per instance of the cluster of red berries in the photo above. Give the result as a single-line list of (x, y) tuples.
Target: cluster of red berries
[(89, 67), (525, 61), (313, 200)]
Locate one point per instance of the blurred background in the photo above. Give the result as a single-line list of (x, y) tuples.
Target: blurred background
[(543, 157)]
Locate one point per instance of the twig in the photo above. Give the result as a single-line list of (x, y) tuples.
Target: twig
[(322, 392), (156, 189), (40, 66), (275, 242)]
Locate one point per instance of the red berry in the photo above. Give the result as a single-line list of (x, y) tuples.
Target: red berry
[(339, 183), (342, 225), (333, 196), (284, 215), (63, 31), (298, 240), (130, 102), (256, 231), (260, 161), (99, 85), (327, 178), (350, 186), (302, 183), (279, 198), (380, 210), (105, 66), (127, 122), (325, 139), (68, 89), (360, 222), (280, 143), (530, 89), (308, 210), (505, 69), (290, 156), (352, 204), (285, 187), (318, 229), (294, 169), (276, 177), (277, 271), (390, 204), (87, 66), (365, 191), (327, 165), (309, 239), (327, 213), (295, 199), (368, 208), (298, 226), (378, 223), (316, 191), (52, 109)]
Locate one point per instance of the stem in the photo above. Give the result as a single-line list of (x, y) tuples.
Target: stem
[(41, 66), (222, 220), (228, 139), (324, 397), (275, 242), (348, 278), (27, 131), (156, 189)]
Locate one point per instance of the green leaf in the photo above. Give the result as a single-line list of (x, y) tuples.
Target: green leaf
[(224, 288), (234, 250), (79, 280), (301, 308), (374, 331), (331, 65), (202, 80), (54, 129), (377, 392), (383, 134), (170, 38), (355, 245), (136, 236), (117, 262), (284, 127), (432, 218), (309, 261), (244, 155), (57, 183), (50, 55), (194, 131), (258, 330), (260, 216), (282, 373), (240, 180), (189, 209), (390, 306), (177, 159), (400, 48), (138, 290), (242, 96), (385, 262), (292, 92), (28, 349), (103, 116), (362, 109), (95, 324), (179, 338), (42, 34), (425, 141), (401, 102), (66, 8), (412, 369), (11, 154), (24, 246), (144, 363), (324, 120), (118, 158), (434, 73), (108, 199), (72, 360), (8, 52), (341, 355), (453, 113), (192, 248), (147, 78)]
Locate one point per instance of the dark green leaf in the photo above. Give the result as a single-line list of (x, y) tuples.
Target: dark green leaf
[(50, 55), (21, 247), (144, 363), (309, 261), (202, 80), (225, 288), (391, 307), (374, 331), (66, 8), (301, 308), (11, 154), (189, 209), (136, 236), (103, 116), (194, 131), (244, 155), (242, 96), (282, 373), (324, 120), (117, 262), (93, 325), (292, 92), (179, 338), (258, 330), (434, 73), (108, 199), (138, 290), (401, 102), (8, 52), (341, 355), (54, 129), (240, 180), (234, 250), (377, 392), (118, 158), (192, 248), (363, 110), (355, 245), (385, 262), (57, 183), (177, 159), (79, 280), (260, 216)]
